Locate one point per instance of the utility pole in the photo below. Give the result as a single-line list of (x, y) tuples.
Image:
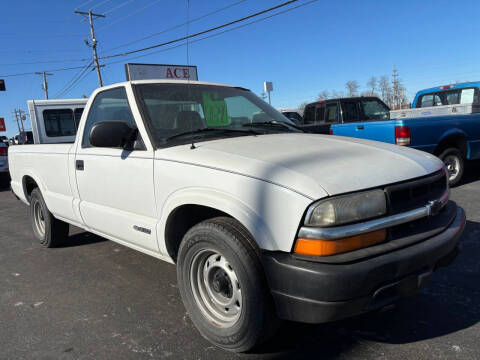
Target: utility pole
[(16, 118), (45, 84), (91, 17), (22, 117), (395, 87)]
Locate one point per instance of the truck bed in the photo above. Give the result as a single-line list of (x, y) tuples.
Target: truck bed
[(458, 109), (427, 132), (50, 164)]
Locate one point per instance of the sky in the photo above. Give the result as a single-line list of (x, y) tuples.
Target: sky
[(315, 47)]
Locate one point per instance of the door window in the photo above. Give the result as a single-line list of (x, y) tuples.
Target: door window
[(109, 105), (320, 113), (309, 115), (331, 113), (374, 110), (437, 101), (426, 100), (350, 112), (452, 97)]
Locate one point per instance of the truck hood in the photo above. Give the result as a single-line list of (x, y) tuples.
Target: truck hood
[(312, 165)]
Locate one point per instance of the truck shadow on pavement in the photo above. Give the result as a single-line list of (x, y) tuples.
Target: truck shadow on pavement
[(4, 183), (472, 172), (80, 239), (449, 304)]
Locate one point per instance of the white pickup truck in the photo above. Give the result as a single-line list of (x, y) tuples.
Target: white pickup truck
[(263, 222)]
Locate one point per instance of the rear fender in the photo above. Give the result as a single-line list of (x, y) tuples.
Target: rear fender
[(454, 136), (41, 185)]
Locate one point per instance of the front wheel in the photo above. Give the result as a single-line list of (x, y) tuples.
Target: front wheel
[(223, 287), (453, 160)]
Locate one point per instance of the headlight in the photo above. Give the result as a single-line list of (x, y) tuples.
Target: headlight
[(346, 209)]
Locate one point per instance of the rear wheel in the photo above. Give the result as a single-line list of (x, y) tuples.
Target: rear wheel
[(453, 160), (46, 228), (223, 286)]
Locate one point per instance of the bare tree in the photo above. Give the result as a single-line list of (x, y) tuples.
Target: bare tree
[(352, 87), (402, 97), (337, 94), (385, 90), (372, 86), (324, 95)]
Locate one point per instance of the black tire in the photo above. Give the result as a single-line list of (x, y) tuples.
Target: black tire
[(256, 320), (46, 228), (453, 159)]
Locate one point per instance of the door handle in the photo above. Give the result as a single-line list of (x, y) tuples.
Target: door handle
[(360, 127), (79, 165)]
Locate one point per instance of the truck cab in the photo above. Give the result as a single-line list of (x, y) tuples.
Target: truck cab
[(320, 115), (465, 93)]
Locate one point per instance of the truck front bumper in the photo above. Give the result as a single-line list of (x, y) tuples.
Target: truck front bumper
[(315, 292)]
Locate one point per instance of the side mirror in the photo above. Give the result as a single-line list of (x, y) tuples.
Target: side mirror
[(114, 134)]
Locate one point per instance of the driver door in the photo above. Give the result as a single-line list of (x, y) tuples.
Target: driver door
[(115, 186)]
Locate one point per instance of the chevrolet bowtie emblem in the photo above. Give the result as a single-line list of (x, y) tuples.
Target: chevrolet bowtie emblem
[(434, 207)]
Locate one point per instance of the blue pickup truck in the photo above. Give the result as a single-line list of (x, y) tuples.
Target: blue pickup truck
[(444, 121)]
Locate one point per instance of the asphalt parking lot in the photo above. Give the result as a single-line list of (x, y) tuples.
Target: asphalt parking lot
[(94, 299)]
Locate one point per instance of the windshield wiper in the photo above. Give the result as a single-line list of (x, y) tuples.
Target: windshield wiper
[(210, 130), (273, 123)]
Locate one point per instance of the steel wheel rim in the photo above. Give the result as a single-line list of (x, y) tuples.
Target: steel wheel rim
[(216, 289), (453, 166), (39, 218)]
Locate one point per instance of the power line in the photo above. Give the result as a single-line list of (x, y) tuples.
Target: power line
[(33, 73), (202, 32), (216, 34), (45, 62), (99, 4), (36, 35), (83, 4), (131, 14), (119, 6), (75, 80), (78, 74), (177, 26)]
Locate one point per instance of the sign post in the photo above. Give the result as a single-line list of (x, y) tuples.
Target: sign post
[(158, 71), (268, 87), (2, 125)]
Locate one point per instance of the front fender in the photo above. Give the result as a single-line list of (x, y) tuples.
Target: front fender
[(218, 200), (268, 234)]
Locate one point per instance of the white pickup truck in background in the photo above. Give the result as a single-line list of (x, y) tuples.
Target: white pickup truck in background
[(263, 222)]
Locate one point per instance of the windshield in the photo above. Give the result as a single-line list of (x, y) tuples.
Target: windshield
[(180, 112)]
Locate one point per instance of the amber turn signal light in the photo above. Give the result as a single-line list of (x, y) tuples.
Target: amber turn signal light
[(319, 247)]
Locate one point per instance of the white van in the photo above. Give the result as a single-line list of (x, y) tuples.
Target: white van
[(55, 121)]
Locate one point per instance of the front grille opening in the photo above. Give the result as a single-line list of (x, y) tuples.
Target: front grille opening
[(415, 194)]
